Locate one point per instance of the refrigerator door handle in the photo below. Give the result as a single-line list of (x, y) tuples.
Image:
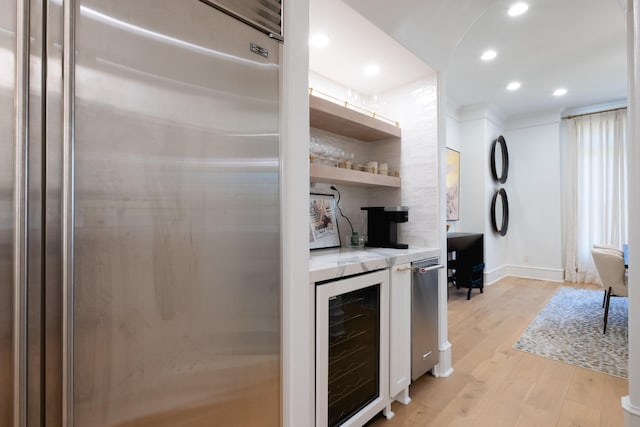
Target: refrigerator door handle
[(68, 172), (21, 206), (423, 270)]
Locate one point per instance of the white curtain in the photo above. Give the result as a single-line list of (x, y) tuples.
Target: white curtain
[(595, 190)]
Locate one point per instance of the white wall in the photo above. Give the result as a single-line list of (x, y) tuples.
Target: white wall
[(495, 245), (534, 238), (472, 179), (452, 123), (478, 127), (533, 244), (297, 297), (631, 402)]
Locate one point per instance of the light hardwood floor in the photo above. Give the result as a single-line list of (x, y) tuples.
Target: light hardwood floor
[(495, 385)]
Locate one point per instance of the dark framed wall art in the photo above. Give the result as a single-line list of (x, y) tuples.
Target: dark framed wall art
[(499, 163)]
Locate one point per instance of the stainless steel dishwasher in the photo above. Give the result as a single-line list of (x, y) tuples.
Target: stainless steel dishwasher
[(424, 316)]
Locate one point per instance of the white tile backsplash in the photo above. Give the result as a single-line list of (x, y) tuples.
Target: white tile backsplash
[(415, 106)]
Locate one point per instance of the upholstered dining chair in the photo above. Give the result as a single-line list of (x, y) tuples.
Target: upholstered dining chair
[(611, 248), (610, 267)]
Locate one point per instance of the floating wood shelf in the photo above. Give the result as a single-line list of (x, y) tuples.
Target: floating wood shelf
[(344, 121), (333, 175)]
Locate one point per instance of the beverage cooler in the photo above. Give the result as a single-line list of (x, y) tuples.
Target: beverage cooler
[(352, 348)]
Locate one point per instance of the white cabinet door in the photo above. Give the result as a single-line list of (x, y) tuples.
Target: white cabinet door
[(400, 333)]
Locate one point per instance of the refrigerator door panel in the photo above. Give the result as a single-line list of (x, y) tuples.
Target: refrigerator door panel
[(176, 287), (7, 120)]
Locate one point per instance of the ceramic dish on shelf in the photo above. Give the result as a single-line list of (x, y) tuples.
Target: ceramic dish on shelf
[(372, 166)]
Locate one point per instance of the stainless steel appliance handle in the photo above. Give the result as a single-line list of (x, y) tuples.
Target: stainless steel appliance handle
[(423, 270), (68, 170), (20, 212)]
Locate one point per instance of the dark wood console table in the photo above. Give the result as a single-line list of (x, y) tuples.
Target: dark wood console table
[(465, 263)]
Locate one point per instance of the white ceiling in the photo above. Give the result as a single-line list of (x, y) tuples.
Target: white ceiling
[(354, 43), (575, 44)]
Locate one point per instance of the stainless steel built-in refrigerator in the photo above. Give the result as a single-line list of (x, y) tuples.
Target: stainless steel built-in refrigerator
[(139, 213)]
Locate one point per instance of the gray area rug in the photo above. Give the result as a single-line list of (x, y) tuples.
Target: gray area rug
[(569, 329)]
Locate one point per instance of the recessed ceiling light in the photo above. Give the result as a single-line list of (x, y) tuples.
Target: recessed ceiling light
[(489, 55), (319, 40), (514, 86), (518, 9), (371, 70), (560, 92)]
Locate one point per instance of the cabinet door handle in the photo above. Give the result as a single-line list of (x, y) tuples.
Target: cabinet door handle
[(403, 268)]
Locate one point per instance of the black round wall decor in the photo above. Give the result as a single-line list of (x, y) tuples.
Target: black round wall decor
[(504, 157), (502, 230)]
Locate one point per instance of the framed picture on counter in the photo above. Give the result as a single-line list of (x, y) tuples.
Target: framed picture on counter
[(323, 222)]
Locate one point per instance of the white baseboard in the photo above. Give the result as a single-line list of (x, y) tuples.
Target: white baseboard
[(526, 272), (631, 413), (492, 276), (443, 368), (539, 273)]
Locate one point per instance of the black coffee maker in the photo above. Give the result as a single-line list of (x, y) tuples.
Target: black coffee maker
[(382, 226)]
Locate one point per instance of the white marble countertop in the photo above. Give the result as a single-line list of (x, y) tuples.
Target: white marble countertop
[(326, 264)]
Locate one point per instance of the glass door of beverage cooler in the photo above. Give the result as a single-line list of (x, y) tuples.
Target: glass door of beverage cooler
[(352, 348)]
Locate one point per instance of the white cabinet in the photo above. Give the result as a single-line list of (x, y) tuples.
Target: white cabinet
[(400, 333), (345, 283)]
